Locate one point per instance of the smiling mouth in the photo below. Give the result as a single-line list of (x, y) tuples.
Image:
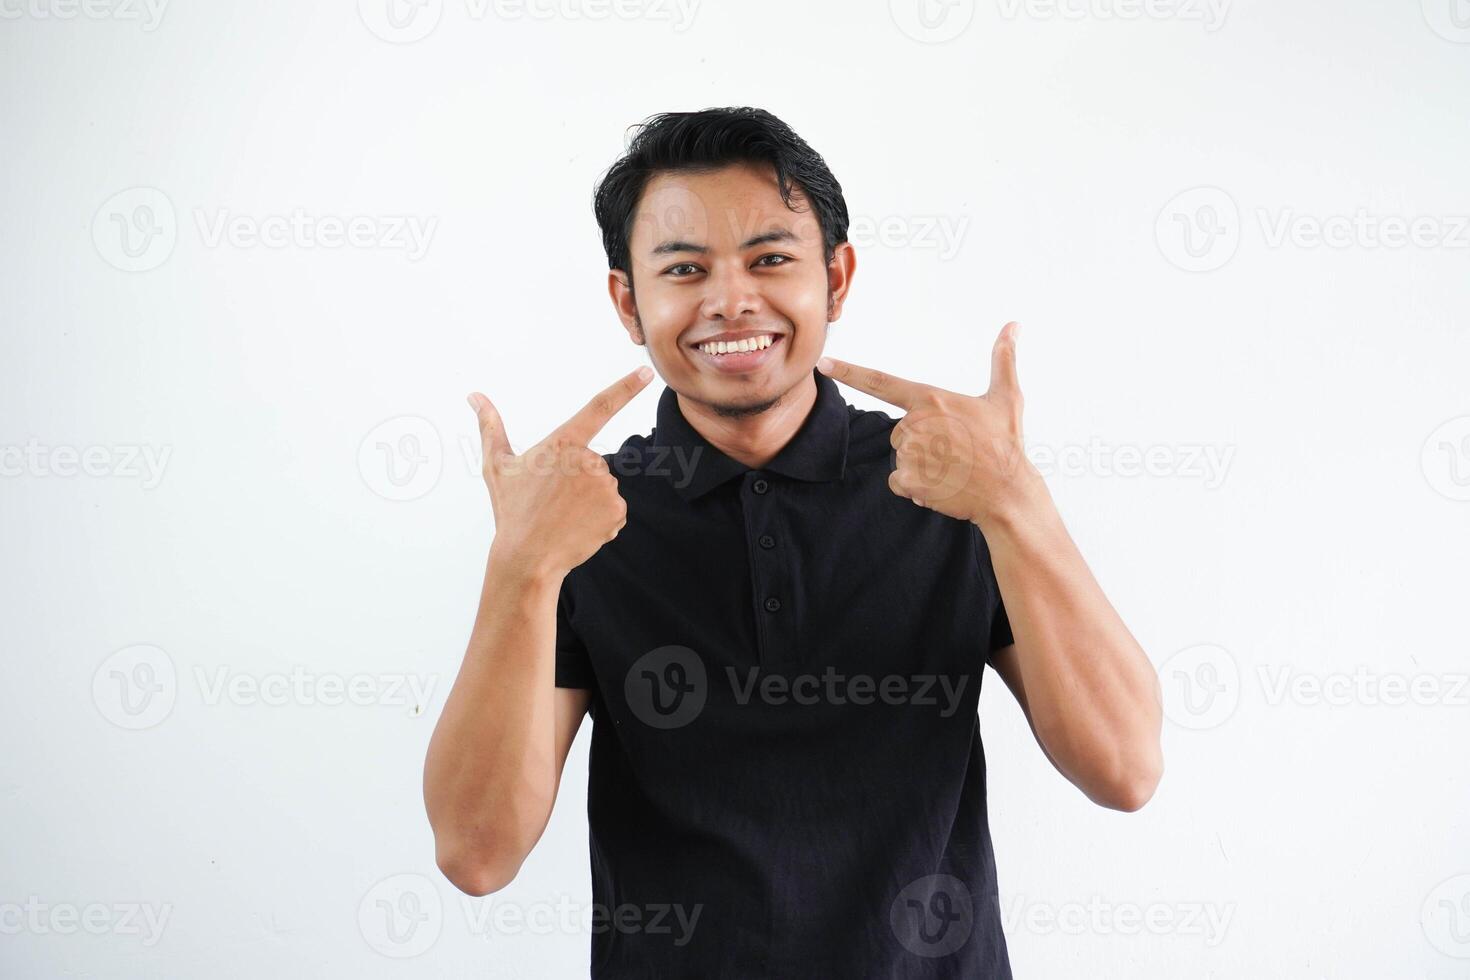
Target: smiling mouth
[(745, 345), (738, 356)]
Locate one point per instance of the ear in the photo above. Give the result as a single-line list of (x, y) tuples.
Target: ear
[(620, 288), (839, 278)]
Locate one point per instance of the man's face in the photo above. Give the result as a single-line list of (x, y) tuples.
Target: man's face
[(719, 256)]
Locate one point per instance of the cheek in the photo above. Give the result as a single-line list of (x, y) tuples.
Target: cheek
[(664, 316), (805, 305)]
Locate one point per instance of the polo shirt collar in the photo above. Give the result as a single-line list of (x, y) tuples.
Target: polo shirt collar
[(817, 453)]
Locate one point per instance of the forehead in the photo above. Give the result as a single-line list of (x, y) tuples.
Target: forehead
[(719, 209)]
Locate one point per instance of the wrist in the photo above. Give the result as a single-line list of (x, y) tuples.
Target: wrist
[(1022, 500), (521, 567)]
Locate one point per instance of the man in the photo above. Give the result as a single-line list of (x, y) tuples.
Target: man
[(776, 607)]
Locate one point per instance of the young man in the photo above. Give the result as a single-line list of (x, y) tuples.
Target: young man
[(777, 608)]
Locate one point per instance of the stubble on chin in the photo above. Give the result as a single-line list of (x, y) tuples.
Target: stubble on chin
[(745, 411)]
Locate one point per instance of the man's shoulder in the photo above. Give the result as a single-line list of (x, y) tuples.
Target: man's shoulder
[(635, 446), (866, 421), (643, 455), (869, 434)]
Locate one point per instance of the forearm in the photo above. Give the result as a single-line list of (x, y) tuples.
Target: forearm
[(1091, 693), (490, 775)]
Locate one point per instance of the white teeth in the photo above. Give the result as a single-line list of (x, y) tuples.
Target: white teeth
[(739, 346)]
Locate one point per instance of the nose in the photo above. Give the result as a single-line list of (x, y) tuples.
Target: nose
[(730, 294)]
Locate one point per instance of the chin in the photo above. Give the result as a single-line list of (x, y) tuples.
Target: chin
[(740, 398), (742, 410)]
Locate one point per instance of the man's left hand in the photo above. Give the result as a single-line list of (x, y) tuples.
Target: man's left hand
[(960, 455)]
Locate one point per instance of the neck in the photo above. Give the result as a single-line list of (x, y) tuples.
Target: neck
[(754, 439)]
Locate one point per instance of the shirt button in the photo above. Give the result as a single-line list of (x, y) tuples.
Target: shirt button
[(760, 486), (766, 541), (773, 604)]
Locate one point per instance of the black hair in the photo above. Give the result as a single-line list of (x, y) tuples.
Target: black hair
[(699, 142)]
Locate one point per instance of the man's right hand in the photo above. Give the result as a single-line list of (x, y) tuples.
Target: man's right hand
[(557, 503)]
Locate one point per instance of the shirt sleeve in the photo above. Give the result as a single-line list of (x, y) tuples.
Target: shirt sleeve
[(1000, 623), (573, 665)]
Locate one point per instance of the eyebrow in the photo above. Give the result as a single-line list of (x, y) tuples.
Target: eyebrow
[(669, 247)]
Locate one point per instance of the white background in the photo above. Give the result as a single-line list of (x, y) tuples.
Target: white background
[(1295, 834)]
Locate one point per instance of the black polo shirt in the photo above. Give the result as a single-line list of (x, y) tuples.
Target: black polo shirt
[(786, 775)]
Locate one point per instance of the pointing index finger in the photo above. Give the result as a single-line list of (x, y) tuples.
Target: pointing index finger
[(580, 428), (891, 388)]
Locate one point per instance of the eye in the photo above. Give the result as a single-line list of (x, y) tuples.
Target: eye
[(682, 265), (775, 255)]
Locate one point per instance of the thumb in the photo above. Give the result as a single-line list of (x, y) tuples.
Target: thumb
[(1004, 381), (493, 441)]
